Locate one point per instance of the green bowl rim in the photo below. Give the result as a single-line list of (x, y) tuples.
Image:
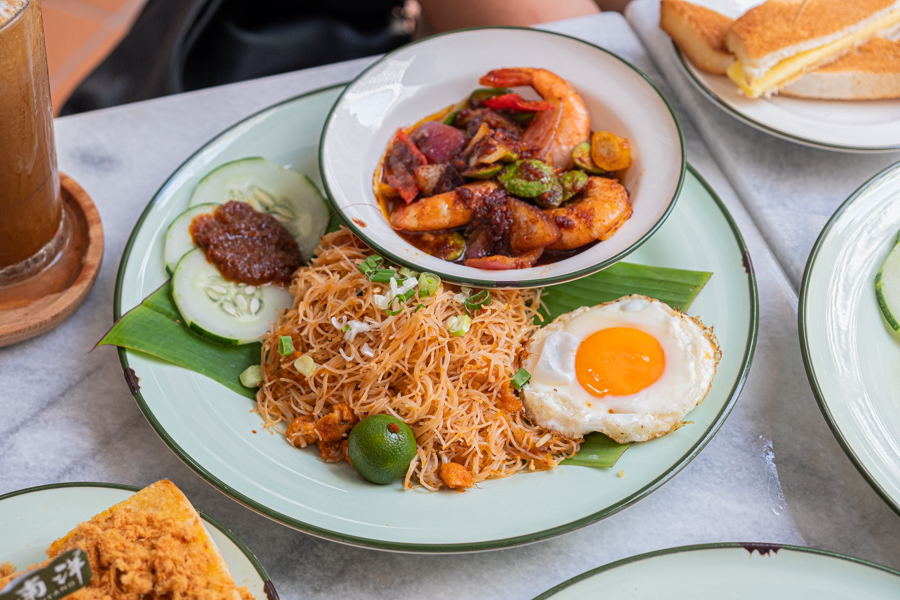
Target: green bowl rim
[(790, 137), (525, 283), (748, 546), (438, 548), (804, 342), (260, 570)]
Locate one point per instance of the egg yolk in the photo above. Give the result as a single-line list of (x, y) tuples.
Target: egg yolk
[(619, 361)]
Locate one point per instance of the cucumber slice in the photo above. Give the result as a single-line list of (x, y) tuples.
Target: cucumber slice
[(887, 287), (220, 310), (178, 237), (268, 187)]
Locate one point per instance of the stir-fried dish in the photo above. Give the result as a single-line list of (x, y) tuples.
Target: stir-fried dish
[(500, 182)]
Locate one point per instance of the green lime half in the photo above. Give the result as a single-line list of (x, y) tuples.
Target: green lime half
[(381, 448), (887, 287)]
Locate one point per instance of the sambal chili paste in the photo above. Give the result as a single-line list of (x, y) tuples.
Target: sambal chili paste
[(247, 246)]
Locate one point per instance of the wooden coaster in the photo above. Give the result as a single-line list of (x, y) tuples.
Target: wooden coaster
[(42, 302)]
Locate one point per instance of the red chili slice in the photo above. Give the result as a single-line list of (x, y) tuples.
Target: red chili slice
[(515, 102)]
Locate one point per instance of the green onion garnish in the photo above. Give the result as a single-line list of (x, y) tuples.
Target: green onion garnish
[(419, 307), (477, 301), (382, 275), (458, 326), (428, 284), (397, 299), (520, 379), (408, 272), (370, 264), (251, 376), (345, 328), (285, 345), (409, 294), (305, 365)]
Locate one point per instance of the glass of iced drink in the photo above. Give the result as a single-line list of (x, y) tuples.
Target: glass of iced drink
[(30, 205)]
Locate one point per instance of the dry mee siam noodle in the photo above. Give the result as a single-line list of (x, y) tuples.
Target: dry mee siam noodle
[(454, 392)]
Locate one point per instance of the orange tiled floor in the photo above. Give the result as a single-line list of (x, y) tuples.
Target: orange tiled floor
[(80, 33)]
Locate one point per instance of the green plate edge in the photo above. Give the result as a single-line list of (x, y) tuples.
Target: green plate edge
[(441, 548), (130, 488), (487, 283), (720, 545), (804, 343), (771, 130)]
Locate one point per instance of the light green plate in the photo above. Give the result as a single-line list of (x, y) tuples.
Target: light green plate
[(31, 519), (734, 572), (212, 429), (852, 356)]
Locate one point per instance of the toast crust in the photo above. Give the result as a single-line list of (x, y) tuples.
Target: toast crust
[(699, 33)]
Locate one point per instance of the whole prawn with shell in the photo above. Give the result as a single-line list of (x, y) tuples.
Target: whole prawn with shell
[(502, 182)]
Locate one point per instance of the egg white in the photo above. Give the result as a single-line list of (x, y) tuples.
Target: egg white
[(556, 400)]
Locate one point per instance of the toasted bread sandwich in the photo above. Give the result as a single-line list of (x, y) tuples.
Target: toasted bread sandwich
[(699, 33), (871, 72), (152, 545), (780, 40)]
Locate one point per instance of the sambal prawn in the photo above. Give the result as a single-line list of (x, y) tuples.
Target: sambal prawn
[(501, 182)]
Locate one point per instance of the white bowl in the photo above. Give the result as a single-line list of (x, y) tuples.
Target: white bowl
[(424, 77)]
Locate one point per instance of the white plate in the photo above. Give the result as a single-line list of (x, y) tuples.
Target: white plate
[(31, 519), (424, 77), (734, 572), (846, 126), (852, 356)]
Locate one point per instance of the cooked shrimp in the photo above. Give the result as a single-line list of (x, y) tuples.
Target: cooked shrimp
[(554, 133), (443, 211), (603, 208)]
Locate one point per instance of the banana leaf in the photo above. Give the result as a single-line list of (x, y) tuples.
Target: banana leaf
[(598, 451), (154, 327)]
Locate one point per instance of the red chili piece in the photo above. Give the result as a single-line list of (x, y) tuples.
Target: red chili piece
[(515, 102)]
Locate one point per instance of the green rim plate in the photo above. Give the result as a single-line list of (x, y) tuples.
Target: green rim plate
[(214, 431), (730, 570), (852, 357), (31, 519)]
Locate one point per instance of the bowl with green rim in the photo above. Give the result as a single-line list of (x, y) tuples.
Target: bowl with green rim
[(422, 78)]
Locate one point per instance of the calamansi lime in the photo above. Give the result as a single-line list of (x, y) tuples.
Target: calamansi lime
[(381, 448)]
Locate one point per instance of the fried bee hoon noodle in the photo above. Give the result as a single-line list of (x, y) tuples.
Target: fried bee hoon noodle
[(454, 392)]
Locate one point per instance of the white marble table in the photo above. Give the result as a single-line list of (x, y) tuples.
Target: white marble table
[(773, 472)]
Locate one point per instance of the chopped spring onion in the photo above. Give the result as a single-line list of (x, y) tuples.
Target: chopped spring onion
[(345, 356), (520, 379), (251, 377), (398, 301), (370, 265), (408, 272), (285, 345), (458, 326), (428, 284), (479, 300), (366, 350), (380, 301), (345, 328), (305, 365), (419, 307), (382, 275)]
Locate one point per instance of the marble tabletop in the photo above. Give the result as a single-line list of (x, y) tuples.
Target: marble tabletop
[(773, 473)]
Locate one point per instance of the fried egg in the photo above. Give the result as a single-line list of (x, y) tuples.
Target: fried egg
[(631, 369)]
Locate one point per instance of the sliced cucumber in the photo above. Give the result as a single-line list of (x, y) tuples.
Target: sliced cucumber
[(887, 287), (268, 187), (178, 237), (221, 310)]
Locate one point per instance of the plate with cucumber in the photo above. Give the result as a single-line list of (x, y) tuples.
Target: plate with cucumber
[(849, 325)]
